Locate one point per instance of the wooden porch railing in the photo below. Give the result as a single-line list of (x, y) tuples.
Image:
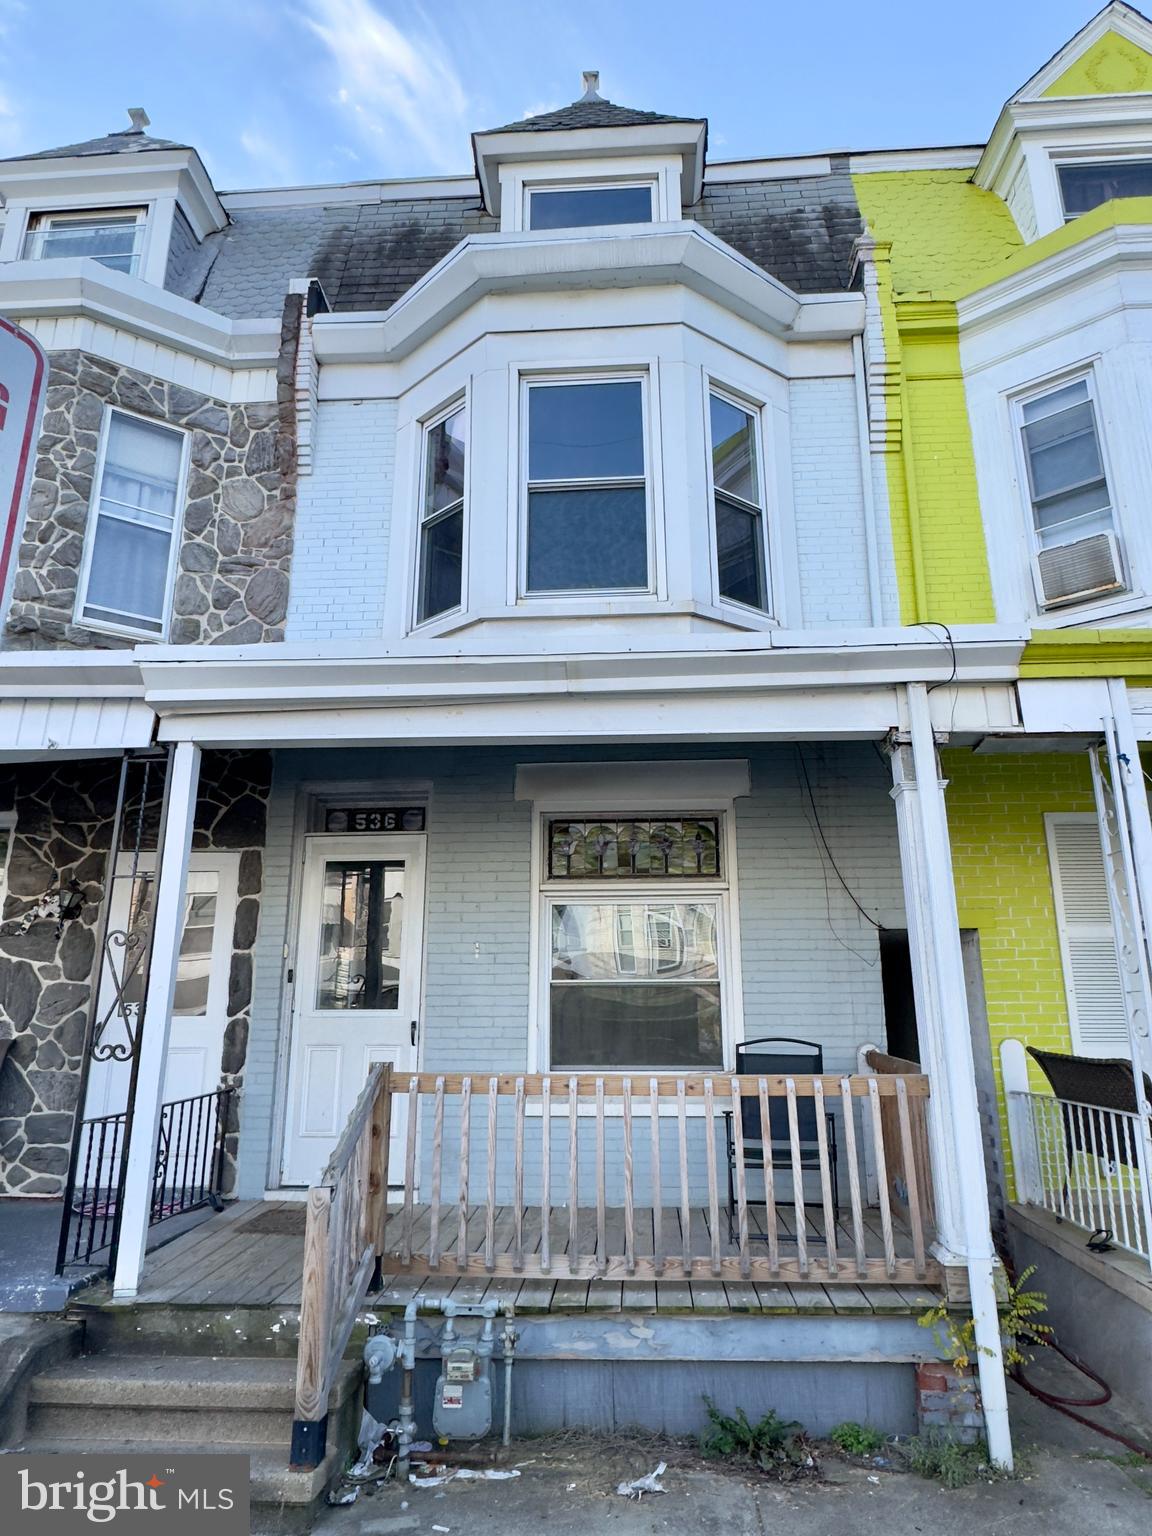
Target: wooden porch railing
[(343, 1238), (906, 1163), (502, 1198)]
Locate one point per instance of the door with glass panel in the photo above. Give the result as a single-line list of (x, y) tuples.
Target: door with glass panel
[(200, 1005), (356, 992)]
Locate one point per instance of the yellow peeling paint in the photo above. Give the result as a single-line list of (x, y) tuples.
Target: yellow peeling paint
[(1112, 66), (1121, 211)]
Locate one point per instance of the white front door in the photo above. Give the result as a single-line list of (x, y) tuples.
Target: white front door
[(200, 1006), (356, 994)]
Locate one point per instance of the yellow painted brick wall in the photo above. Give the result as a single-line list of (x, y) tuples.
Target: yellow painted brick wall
[(996, 809)]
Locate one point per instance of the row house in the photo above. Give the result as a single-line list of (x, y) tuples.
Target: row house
[(554, 723)]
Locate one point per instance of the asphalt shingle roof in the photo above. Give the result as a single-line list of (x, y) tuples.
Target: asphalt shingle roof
[(585, 113), (129, 141)]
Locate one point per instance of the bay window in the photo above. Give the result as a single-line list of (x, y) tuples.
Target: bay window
[(738, 503), (133, 526), (440, 562), (634, 920), (587, 500)]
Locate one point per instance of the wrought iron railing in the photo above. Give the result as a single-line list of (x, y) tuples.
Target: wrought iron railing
[(188, 1175)]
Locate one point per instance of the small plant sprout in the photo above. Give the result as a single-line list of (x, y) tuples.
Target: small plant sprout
[(1020, 1326), (856, 1439)]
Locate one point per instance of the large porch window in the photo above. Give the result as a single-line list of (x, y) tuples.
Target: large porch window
[(635, 922)]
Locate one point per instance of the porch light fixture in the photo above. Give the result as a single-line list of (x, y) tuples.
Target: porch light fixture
[(65, 904)]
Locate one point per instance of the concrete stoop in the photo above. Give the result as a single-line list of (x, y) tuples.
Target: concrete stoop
[(195, 1404)]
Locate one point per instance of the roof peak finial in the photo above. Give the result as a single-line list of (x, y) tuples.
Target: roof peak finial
[(591, 86), (139, 120)]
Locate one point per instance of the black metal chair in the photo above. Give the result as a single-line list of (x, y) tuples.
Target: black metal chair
[(798, 1058)]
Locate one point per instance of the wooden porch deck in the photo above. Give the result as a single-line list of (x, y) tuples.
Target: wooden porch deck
[(252, 1255)]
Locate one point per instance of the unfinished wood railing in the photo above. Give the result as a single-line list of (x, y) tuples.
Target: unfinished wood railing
[(906, 1158), (343, 1238), (487, 1192)]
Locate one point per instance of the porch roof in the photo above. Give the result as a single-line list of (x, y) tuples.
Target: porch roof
[(63, 705)]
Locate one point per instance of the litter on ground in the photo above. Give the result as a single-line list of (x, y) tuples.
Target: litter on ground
[(639, 1486)]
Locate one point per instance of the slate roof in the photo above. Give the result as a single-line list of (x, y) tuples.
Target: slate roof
[(367, 255), (589, 113), (129, 141)]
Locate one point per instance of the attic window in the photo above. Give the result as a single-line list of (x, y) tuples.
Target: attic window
[(1086, 185), (112, 236), (588, 207)]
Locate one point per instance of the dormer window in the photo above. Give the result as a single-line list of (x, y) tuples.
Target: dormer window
[(1087, 184), (587, 207), (112, 236)]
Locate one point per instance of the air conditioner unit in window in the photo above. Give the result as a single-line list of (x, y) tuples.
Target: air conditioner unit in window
[(1071, 573)]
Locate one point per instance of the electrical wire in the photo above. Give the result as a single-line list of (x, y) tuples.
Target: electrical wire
[(867, 916)]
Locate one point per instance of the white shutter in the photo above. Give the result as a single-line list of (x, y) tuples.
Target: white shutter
[(1087, 944)]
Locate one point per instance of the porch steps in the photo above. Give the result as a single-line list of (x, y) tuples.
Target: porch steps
[(188, 1404)]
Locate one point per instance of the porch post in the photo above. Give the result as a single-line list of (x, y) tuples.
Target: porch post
[(963, 1221), (175, 846)]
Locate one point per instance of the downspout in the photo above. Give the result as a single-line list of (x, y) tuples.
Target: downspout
[(867, 491)]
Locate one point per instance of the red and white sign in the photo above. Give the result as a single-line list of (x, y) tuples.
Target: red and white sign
[(23, 376)]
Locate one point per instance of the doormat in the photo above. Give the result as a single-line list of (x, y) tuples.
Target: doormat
[(286, 1222)]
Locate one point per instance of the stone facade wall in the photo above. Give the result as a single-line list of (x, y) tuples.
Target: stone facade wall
[(63, 832), (237, 528)]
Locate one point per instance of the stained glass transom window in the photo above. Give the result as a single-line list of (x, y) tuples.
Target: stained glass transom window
[(629, 848)]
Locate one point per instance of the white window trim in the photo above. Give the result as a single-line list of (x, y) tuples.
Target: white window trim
[(426, 425), (724, 890), (1017, 402), (103, 626), (661, 172), (645, 376), (1053, 819), (754, 408)]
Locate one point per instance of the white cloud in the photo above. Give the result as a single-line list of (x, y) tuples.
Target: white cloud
[(399, 88), (268, 157)]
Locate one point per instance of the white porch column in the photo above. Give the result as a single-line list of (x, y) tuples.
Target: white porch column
[(175, 848), (963, 1223)]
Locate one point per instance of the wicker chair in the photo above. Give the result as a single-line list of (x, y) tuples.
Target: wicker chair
[(1103, 1083)]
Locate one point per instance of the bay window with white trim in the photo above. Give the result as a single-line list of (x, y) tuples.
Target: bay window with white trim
[(133, 526), (738, 492), (636, 935), (440, 557), (114, 237), (587, 514)]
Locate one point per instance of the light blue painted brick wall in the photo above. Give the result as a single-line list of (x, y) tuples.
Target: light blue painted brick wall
[(828, 502), (343, 521), (810, 961)]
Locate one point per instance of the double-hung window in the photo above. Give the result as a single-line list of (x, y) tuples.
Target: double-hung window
[(634, 923), (440, 562), (587, 499), (738, 501), (1072, 518), (113, 236), (587, 207), (133, 526)]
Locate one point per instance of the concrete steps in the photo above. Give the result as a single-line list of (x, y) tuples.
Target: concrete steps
[(117, 1403)]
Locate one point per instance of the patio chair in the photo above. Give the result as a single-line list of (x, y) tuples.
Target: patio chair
[(1103, 1083), (780, 1057)]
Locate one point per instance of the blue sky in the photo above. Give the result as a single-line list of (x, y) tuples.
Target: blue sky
[(274, 92)]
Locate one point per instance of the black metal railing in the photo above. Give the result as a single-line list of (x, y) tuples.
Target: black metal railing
[(188, 1174), (190, 1154)]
